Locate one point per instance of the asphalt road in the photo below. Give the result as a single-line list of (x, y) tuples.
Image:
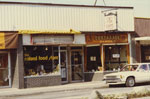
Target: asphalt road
[(73, 94)]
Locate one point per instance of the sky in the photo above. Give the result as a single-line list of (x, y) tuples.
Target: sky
[(141, 7)]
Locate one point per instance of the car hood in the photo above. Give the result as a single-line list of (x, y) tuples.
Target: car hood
[(121, 73)]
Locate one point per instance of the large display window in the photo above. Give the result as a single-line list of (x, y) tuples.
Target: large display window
[(115, 57), (41, 60), (145, 53), (93, 58), (4, 72)]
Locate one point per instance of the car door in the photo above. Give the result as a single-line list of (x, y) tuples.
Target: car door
[(142, 73)]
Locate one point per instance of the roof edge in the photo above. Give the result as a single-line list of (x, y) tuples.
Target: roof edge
[(141, 18), (72, 5)]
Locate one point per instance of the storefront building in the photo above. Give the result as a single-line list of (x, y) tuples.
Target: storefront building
[(8, 46), (142, 39), (51, 59), (60, 44), (106, 53)]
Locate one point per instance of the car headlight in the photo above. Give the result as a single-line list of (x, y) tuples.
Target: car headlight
[(120, 76)]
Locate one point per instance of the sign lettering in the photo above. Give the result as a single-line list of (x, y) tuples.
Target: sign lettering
[(106, 38), (40, 58)]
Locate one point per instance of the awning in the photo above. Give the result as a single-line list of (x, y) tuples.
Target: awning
[(8, 40), (71, 31), (142, 38)]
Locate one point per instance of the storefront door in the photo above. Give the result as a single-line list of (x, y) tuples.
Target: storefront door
[(4, 70), (64, 66), (76, 65)]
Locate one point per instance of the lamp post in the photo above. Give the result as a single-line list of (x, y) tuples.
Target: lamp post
[(109, 54)]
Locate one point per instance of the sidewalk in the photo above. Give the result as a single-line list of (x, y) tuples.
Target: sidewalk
[(65, 87)]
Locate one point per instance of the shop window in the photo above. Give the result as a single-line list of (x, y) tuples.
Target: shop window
[(4, 80), (145, 53), (93, 58), (115, 57), (41, 60)]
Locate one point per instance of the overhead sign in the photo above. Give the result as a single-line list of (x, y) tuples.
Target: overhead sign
[(106, 38)]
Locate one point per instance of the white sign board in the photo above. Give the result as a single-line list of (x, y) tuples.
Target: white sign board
[(52, 39), (26, 39), (110, 22), (79, 39), (116, 56)]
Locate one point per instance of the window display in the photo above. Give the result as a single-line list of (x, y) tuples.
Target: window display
[(145, 53), (115, 57), (4, 79), (93, 59), (41, 60)]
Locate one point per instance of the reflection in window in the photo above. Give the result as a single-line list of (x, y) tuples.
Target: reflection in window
[(143, 67), (129, 68), (41, 60)]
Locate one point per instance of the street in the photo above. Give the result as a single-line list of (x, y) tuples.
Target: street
[(72, 94)]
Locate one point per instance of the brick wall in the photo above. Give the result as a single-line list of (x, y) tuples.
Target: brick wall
[(42, 81)]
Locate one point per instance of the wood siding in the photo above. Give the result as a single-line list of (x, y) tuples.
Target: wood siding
[(142, 26), (16, 17)]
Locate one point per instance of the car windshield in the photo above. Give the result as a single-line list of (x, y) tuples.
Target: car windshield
[(129, 68)]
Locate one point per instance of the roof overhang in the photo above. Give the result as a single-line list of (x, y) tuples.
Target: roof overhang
[(142, 38), (71, 31)]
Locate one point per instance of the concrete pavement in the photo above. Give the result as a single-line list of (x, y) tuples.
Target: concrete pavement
[(65, 87)]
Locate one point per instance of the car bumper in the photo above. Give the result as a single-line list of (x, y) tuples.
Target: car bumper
[(114, 81)]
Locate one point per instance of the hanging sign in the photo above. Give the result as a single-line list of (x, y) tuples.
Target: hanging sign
[(110, 22)]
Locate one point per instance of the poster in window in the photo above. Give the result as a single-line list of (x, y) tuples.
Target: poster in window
[(63, 72), (116, 55), (93, 58), (147, 58)]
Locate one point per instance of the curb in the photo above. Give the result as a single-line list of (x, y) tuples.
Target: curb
[(31, 91)]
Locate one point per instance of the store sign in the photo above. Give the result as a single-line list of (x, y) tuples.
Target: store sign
[(52, 39), (40, 58), (106, 38), (110, 22)]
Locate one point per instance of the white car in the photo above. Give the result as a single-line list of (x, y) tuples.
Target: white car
[(130, 75)]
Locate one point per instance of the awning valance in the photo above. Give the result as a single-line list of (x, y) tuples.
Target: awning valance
[(71, 31), (142, 38), (8, 40)]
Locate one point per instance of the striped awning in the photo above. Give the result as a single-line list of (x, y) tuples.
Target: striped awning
[(71, 31)]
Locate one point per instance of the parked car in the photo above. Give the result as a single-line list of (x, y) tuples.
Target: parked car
[(130, 74)]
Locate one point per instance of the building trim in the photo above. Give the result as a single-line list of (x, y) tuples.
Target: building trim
[(68, 5), (142, 18)]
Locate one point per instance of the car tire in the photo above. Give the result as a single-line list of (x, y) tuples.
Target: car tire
[(130, 82)]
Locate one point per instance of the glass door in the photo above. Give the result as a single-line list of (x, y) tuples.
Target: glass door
[(4, 71), (76, 65), (64, 67)]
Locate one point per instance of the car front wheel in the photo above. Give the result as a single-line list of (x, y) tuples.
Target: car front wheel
[(130, 82)]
